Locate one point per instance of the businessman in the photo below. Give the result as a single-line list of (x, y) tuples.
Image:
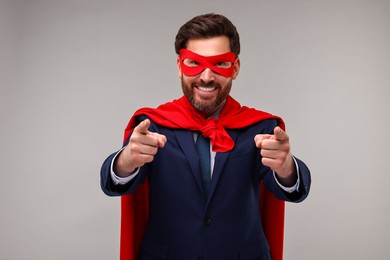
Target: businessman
[(203, 157)]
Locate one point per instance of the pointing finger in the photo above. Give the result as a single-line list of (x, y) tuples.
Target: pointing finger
[(143, 127), (280, 134), (154, 139)]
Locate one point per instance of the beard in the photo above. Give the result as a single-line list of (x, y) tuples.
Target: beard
[(206, 106)]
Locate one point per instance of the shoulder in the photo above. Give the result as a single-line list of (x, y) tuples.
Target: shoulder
[(265, 126), (158, 128)]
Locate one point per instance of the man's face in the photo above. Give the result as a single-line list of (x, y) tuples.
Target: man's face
[(208, 90)]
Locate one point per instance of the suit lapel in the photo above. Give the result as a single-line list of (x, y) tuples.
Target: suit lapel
[(187, 144), (220, 161)]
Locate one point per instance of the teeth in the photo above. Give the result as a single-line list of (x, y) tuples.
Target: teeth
[(206, 89)]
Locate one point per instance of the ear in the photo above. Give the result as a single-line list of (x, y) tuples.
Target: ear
[(236, 68), (179, 73)]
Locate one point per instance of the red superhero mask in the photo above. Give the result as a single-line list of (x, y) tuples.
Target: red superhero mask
[(193, 64)]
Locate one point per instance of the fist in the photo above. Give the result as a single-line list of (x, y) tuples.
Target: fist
[(142, 147), (275, 152)]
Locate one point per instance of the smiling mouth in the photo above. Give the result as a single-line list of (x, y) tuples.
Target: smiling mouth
[(206, 89)]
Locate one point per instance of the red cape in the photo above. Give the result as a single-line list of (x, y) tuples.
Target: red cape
[(179, 114)]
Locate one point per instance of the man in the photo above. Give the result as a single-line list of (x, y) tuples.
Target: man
[(204, 204)]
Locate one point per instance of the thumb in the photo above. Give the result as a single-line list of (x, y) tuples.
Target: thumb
[(280, 134), (162, 140), (143, 127), (260, 137)]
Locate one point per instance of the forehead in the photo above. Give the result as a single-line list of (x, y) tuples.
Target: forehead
[(209, 46)]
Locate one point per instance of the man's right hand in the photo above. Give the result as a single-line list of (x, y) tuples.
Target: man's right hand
[(142, 147)]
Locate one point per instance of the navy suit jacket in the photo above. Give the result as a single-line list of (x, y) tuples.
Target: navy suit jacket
[(184, 223)]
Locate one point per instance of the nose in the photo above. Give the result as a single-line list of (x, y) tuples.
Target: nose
[(207, 75)]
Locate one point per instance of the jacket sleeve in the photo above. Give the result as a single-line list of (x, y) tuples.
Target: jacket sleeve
[(270, 182), (106, 182), (296, 196)]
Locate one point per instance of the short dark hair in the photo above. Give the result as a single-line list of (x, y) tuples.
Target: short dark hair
[(207, 26)]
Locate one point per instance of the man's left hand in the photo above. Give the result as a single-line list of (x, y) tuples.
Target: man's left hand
[(275, 152)]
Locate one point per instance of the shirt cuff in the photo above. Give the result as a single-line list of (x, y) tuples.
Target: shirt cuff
[(120, 180), (296, 185)]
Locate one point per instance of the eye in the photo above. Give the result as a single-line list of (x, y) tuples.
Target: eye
[(190, 63), (223, 64)]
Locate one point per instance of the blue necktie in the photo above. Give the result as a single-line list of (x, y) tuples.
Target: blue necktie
[(203, 147)]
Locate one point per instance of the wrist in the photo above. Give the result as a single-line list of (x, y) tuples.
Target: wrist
[(288, 176), (122, 167)]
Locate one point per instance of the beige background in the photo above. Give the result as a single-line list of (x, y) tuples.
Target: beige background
[(72, 72)]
